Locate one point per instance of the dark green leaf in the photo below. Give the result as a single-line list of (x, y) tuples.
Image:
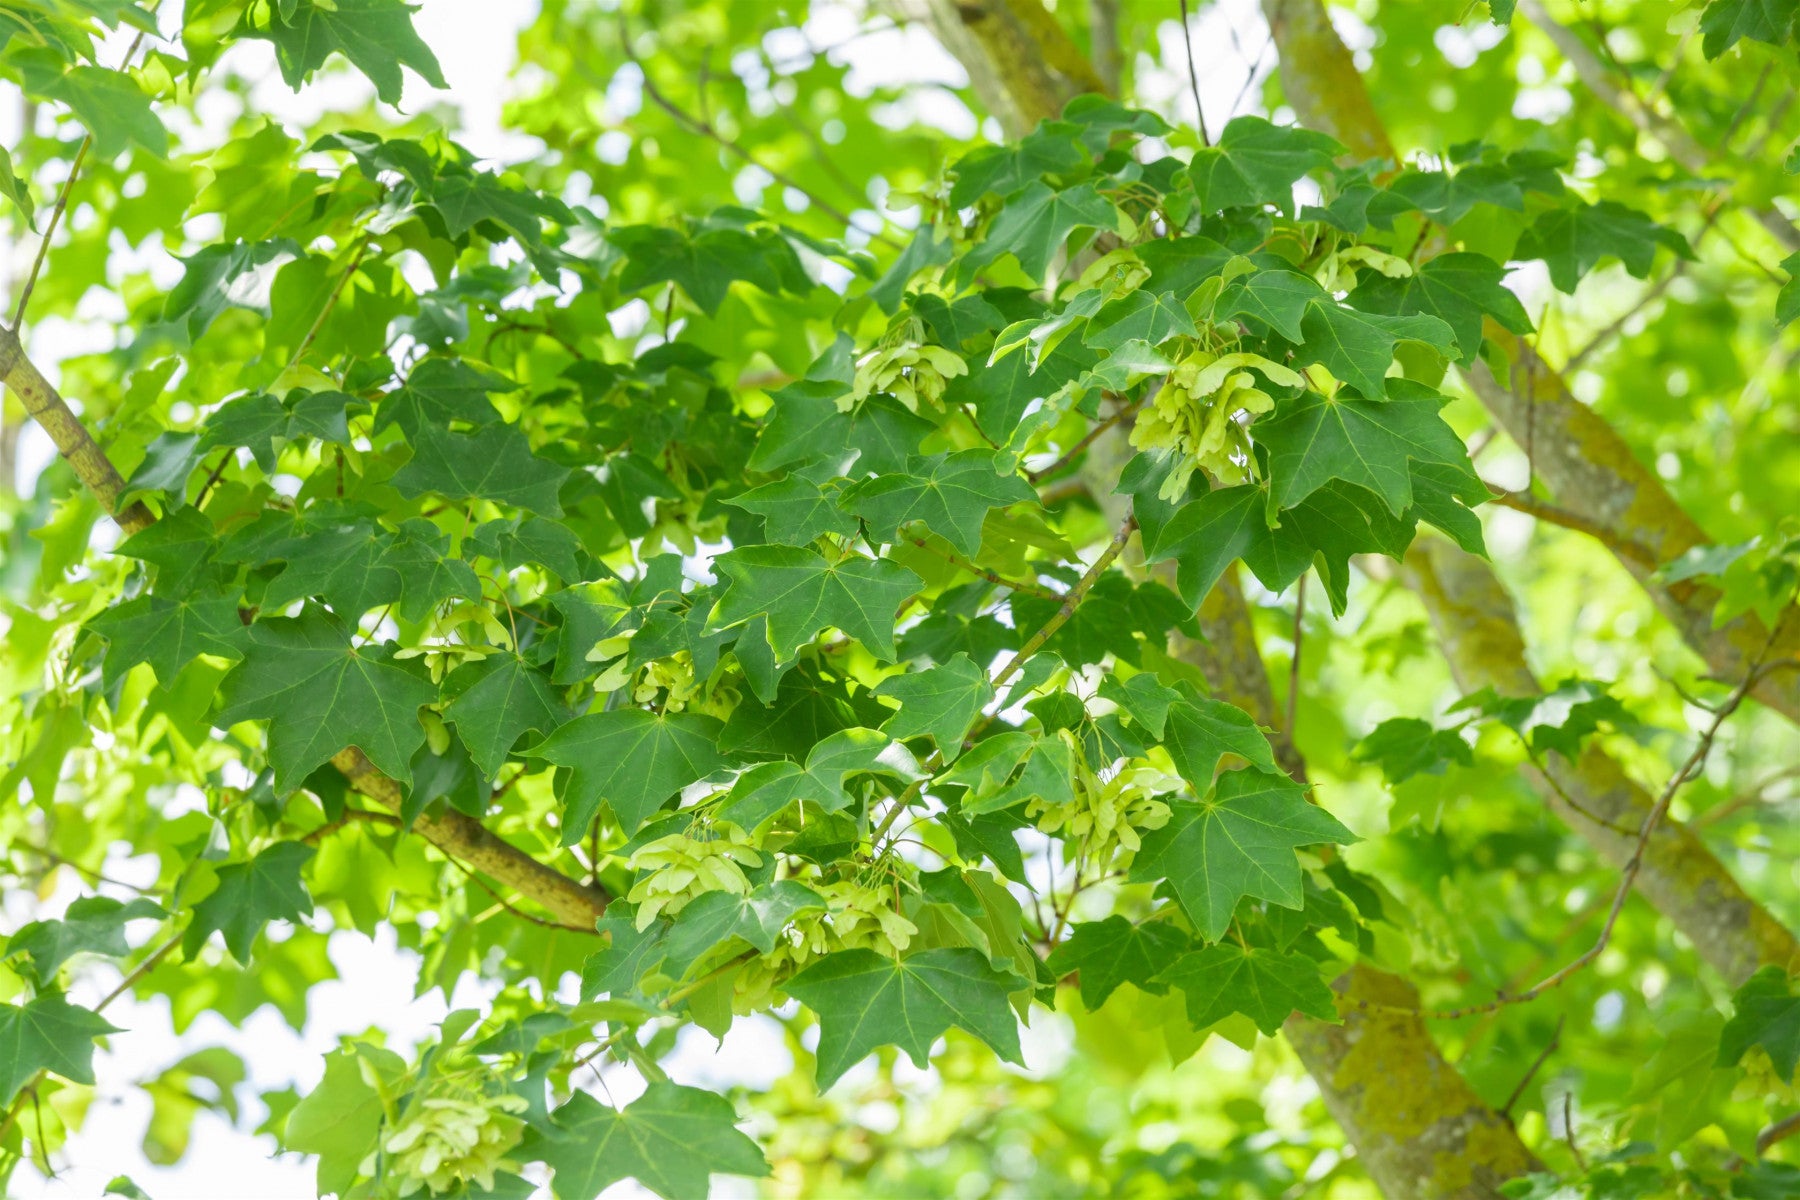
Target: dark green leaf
[(249, 896), (320, 694), (1265, 985), (865, 1000), (1766, 1013), (949, 493), (631, 760), (801, 593), (1108, 953), (1238, 843), (670, 1139), (375, 35)]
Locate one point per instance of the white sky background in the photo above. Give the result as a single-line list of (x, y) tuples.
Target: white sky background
[(474, 42)]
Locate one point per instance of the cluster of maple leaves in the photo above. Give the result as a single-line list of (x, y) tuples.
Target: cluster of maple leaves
[(821, 617)]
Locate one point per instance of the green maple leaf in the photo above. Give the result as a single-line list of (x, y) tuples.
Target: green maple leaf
[(865, 1000), (1458, 289), (439, 391), (1358, 347), (807, 427), (704, 267), (346, 564), (794, 511), (47, 1034), (495, 463), (1406, 746), (495, 702), (928, 248), (1048, 771), (15, 189), (215, 278), (465, 198), (630, 954), (1143, 697), (168, 634), (181, 546), (802, 593), (1199, 732), (1572, 241), (1447, 198), (941, 701), (377, 36), (1034, 224), (263, 424), (91, 925), (950, 493), (525, 540), (321, 694), (1001, 393), (341, 1118), (1256, 162), (631, 760), (1766, 1013), (1265, 985), (1143, 315), (767, 789), (249, 896), (670, 1139), (1278, 298), (1559, 719), (1312, 441), (1238, 843), (723, 919), (1114, 951), (1051, 149), (1726, 21), (803, 710), (110, 105), (1787, 300), (429, 576)]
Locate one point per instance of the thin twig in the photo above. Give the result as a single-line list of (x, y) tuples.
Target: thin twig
[(1537, 1063), (138, 972), (1569, 1131), (1781, 1129), (502, 901), (330, 303), (1187, 36), (1293, 696), (43, 250), (1071, 601), (1073, 452)]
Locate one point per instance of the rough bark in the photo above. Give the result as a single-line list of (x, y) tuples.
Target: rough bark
[(1021, 62), (456, 834), (1680, 876), (1583, 461)]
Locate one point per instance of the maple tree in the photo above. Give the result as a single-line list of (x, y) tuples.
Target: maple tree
[(770, 562)]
